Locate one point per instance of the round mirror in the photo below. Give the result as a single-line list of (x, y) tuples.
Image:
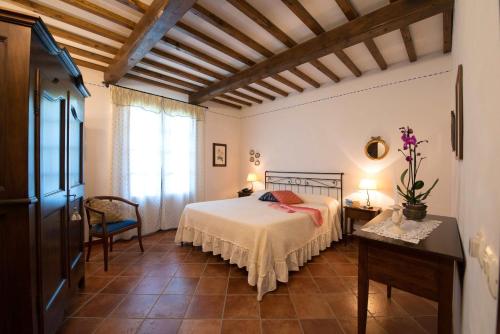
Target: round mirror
[(376, 148)]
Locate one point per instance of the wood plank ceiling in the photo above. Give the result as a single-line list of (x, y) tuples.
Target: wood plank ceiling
[(240, 52)]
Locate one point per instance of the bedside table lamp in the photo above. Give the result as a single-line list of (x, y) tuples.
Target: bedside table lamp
[(367, 184), (252, 177)]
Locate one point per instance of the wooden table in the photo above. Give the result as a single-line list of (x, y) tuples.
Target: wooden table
[(425, 269)]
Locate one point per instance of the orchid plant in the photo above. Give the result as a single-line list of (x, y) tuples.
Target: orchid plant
[(411, 184)]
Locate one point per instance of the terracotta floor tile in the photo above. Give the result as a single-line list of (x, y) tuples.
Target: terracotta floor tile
[(215, 259), (350, 326), (281, 289), (216, 270), (241, 307), (118, 326), (241, 327), (190, 270), (113, 269), (380, 306), (196, 258), (281, 327), (190, 326), (330, 284), (100, 306), (321, 326), (161, 248), (182, 285), (151, 285), (429, 323), (91, 268), (163, 270), (212, 286), (159, 326), (77, 301), (240, 286), (352, 257), (336, 257), (170, 306), (344, 305), (174, 257), (277, 307), (303, 272), (302, 285), (321, 269), (94, 283), (206, 306), (414, 305), (319, 259), (137, 269), (345, 269), (135, 306), (122, 284), (79, 326), (404, 325), (311, 306)]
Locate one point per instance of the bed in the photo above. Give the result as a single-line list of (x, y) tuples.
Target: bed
[(267, 242)]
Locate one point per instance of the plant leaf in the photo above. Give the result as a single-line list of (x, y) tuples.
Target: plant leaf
[(429, 190), (403, 175), (418, 185)]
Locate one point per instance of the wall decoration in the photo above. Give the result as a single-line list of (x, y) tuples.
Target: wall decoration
[(252, 159), (257, 155), (459, 109), (219, 155), (257, 162), (453, 134), (252, 152)]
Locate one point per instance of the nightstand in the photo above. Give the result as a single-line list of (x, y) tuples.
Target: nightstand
[(244, 193), (352, 213)]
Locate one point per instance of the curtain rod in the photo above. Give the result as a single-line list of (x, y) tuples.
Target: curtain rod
[(168, 98)]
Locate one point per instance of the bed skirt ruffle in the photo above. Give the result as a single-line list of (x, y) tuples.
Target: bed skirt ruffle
[(264, 276)]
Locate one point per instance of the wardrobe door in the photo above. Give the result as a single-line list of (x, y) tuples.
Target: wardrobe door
[(75, 188), (52, 185)]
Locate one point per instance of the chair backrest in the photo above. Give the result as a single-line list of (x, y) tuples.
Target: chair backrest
[(112, 208)]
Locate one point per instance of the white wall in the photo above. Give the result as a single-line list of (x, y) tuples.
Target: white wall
[(221, 125), (476, 45), (329, 136)]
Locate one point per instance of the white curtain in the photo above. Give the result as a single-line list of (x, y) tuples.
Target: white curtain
[(157, 156)]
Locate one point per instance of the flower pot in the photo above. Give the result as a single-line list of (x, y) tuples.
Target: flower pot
[(415, 211)]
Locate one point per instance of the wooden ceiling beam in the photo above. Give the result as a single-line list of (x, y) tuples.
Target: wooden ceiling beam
[(351, 13), (225, 103), (246, 96), (256, 16), (84, 63), (69, 19), (408, 41), (234, 99), (156, 83), (136, 5), (219, 23), (101, 12), (87, 54), (296, 7), (267, 85), (176, 71), (386, 19), (258, 92), (166, 78), (81, 40), (160, 16)]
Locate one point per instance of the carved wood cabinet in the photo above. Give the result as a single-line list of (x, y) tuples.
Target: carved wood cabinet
[(41, 176)]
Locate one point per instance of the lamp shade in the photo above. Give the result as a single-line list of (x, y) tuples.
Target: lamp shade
[(367, 184), (252, 177)]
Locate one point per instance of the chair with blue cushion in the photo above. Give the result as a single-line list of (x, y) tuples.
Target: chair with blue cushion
[(108, 216)]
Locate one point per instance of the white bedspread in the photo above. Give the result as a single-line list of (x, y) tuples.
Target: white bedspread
[(267, 241)]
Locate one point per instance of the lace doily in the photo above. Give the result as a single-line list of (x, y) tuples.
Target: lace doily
[(409, 230)]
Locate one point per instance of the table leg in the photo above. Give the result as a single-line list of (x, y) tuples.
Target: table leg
[(445, 303), (389, 291), (362, 287)]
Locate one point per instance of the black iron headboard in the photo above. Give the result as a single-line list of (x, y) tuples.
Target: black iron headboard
[(327, 184)]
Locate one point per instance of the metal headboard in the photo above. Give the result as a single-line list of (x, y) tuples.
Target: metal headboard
[(326, 184)]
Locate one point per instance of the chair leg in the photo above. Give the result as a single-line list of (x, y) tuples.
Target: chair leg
[(139, 237), (110, 243), (105, 248), (89, 247), (389, 291)]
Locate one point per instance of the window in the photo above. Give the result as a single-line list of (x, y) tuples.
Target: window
[(162, 153)]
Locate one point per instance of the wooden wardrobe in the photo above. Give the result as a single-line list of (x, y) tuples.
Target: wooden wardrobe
[(41, 176)]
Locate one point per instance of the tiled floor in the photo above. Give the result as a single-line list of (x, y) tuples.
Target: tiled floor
[(173, 289)]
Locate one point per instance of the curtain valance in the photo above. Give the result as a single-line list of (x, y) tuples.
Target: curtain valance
[(154, 103)]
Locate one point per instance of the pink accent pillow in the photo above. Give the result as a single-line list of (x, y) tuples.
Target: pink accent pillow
[(287, 197)]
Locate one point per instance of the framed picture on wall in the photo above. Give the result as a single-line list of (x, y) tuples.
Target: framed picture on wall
[(219, 155), (459, 110), (453, 134)]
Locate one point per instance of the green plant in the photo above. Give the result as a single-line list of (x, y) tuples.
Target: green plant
[(411, 184)]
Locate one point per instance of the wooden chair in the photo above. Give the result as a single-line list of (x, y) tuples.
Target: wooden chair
[(104, 222)]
